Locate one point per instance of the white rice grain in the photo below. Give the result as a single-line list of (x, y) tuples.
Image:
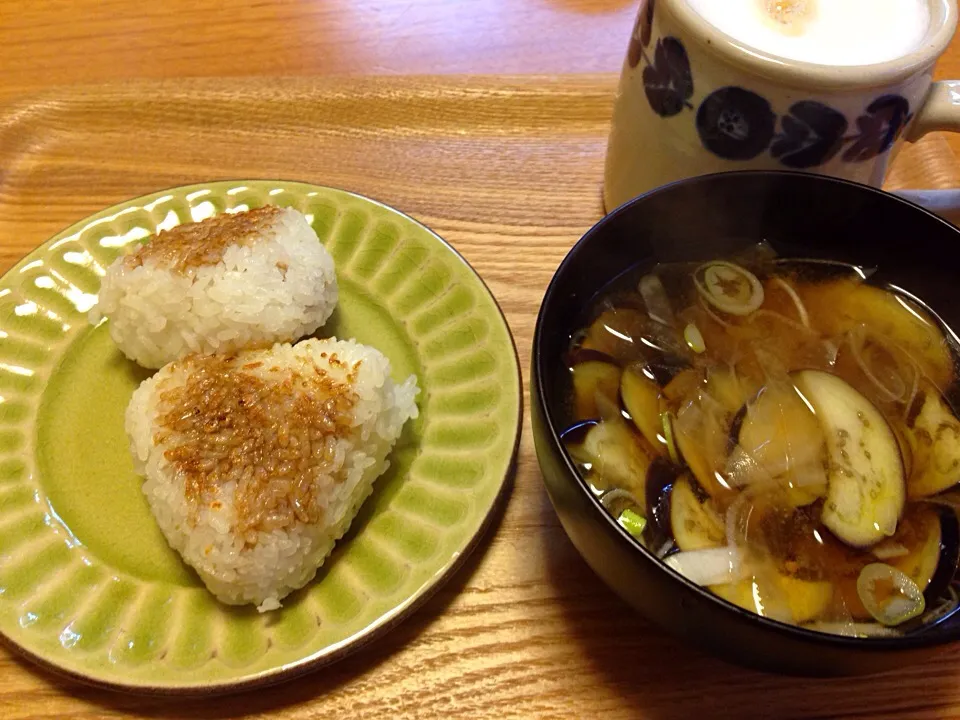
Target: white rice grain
[(263, 564), (274, 284)]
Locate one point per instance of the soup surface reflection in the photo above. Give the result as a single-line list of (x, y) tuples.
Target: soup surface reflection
[(778, 431)]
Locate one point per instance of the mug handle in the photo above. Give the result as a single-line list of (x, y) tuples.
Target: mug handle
[(940, 111)]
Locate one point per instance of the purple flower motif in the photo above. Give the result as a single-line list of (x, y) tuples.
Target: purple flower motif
[(879, 128), (735, 124), (811, 134), (667, 81)]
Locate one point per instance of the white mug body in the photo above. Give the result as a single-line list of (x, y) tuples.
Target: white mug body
[(693, 101)]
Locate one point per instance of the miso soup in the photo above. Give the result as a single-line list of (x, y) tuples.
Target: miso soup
[(778, 431)]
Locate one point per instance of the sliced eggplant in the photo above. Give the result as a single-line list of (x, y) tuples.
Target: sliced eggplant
[(683, 385), (920, 533), (866, 490), (659, 490), (701, 439), (935, 442), (617, 333), (664, 370), (943, 576), (670, 438), (591, 379), (905, 442), (929, 539), (781, 436), (805, 600), (572, 439), (581, 354), (839, 306), (640, 396), (778, 442), (695, 524), (617, 456), (729, 389)]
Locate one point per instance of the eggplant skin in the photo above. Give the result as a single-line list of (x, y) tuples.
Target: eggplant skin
[(591, 379), (695, 525), (866, 488), (640, 396)]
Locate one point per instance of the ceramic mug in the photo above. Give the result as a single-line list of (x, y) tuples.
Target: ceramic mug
[(693, 100)]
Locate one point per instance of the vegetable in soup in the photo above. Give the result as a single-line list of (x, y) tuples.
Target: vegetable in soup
[(778, 431)]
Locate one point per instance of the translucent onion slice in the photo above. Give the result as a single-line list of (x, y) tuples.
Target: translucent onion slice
[(852, 629), (737, 520), (618, 496), (655, 297), (889, 549), (798, 303), (712, 566), (713, 316), (729, 287), (895, 388), (889, 595)]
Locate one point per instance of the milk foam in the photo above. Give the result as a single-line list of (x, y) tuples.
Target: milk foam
[(827, 32)]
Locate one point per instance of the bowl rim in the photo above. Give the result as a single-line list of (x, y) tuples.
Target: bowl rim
[(925, 639)]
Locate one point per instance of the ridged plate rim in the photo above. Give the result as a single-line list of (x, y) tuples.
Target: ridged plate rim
[(389, 619)]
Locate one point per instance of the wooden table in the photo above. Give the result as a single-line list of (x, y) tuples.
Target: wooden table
[(508, 170)]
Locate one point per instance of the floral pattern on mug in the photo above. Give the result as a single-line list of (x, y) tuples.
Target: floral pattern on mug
[(668, 81), (667, 77), (642, 31), (881, 126), (735, 124), (811, 134), (738, 124)]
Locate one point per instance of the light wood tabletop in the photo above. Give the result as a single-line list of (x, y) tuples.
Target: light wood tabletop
[(103, 101)]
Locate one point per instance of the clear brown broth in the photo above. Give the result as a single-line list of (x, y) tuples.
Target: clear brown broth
[(886, 348)]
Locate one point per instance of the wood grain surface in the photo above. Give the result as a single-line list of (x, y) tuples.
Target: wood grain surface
[(508, 170), (52, 43), (46, 43)]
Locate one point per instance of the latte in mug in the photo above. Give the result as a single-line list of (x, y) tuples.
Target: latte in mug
[(826, 86), (827, 32)]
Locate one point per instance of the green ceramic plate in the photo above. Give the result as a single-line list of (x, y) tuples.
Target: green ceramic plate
[(88, 585)]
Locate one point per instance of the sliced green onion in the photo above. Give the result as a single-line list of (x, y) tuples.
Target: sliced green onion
[(694, 338), (667, 420), (889, 595), (632, 522), (729, 287)]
